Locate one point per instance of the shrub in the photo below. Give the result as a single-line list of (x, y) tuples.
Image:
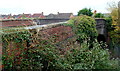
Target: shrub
[(78, 58), (99, 15), (85, 28), (109, 26), (85, 11), (42, 55), (14, 45)]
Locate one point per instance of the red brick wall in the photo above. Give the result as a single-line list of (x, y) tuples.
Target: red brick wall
[(15, 23), (57, 34)]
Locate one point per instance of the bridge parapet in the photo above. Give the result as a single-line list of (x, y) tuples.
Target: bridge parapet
[(100, 26)]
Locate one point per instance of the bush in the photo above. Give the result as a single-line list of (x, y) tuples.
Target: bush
[(78, 58), (85, 11), (99, 15), (85, 28), (39, 54), (13, 46), (109, 26)]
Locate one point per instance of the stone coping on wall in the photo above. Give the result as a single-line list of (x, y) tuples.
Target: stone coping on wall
[(46, 26), (39, 27), (1, 20)]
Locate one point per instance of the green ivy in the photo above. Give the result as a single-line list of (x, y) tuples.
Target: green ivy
[(45, 56), (85, 28)]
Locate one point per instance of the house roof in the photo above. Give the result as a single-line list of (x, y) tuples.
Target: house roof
[(38, 15), (5, 16), (25, 15), (60, 15), (15, 23), (16, 16), (51, 16), (64, 15)]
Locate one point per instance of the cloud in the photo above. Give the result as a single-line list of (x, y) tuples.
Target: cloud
[(51, 6)]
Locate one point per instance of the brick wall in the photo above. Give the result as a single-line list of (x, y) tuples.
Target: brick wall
[(57, 34), (16, 23)]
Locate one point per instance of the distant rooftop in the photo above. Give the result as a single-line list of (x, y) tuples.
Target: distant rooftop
[(16, 23)]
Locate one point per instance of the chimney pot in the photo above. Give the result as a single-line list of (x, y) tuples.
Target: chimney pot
[(58, 12), (42, 13)]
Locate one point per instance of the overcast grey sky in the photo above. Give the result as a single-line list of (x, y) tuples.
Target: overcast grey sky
[(51, 6)]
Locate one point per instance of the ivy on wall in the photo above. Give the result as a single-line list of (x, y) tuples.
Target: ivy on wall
[(29, 51)]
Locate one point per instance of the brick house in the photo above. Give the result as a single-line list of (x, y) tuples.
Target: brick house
[(24, 16), (65, 15), (16, 16), (60, 16), (38, 15), (9, 16), (16, 23)]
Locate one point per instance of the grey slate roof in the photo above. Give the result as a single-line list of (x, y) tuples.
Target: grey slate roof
[(4, 16), (16, 16), (51, 16), (60, 16), (64, 15)]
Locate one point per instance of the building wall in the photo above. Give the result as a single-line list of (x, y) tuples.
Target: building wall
[(100, 26), (56, 33), (48, 21), (100, 23)]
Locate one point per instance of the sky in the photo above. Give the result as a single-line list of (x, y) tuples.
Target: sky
[(52, 6)]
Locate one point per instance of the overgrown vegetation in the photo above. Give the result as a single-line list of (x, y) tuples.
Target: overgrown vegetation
[(115, 37), (99, 15), (28, 51), (85, 11), (85, 29)]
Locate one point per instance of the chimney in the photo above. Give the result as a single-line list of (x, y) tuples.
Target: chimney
[(42, 13), (95, 12), (58, 12), (10, 14)]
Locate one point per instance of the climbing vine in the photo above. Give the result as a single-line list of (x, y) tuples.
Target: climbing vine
[(30, 51), (85, 28)]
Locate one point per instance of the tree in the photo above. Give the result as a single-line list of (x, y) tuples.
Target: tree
[(109, 26), (119, 12), (85, 28), (85, 11), (99, 15), (113, 9), (115, 34)]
